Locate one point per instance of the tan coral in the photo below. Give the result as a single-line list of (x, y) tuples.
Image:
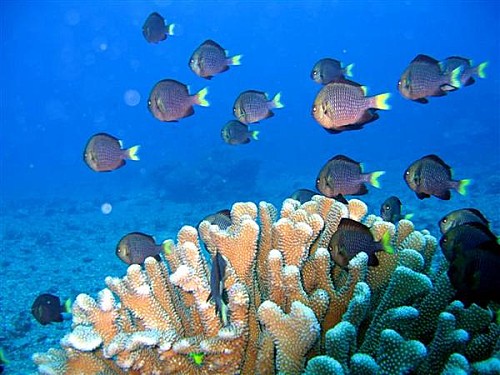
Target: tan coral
[(283, 293), (294, 334), (357, 209), (403, 229)]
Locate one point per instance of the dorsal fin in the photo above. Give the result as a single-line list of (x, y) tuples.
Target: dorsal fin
[(225, 212), (483, 228), (255, 92), (478, 213), (463, 59), (351, 224), (438, 160), (210, 42), (346, 81), (425, 59), (345, 158)]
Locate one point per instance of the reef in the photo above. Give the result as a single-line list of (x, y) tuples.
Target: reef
[(291, 310)]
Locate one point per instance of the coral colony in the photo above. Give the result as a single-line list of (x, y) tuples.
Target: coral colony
[(290, 309)]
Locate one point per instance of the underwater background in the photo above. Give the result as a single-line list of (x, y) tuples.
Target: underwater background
[(72, 69)]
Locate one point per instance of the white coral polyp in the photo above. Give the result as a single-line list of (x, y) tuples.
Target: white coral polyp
[(83, 338)]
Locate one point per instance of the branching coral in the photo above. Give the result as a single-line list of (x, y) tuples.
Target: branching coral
[(290, 308)]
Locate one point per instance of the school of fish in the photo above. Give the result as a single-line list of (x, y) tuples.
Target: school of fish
[(341, 104)]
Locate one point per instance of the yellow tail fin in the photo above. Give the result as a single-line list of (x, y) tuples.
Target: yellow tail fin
[(462, 186), (67, 305), (235, 60), (348, 70), (170, 29), (381, 101), (386, 243), (455, 77), (167, 246), (277, 101), (200, 97), (132, 152), (374, 176), (480, 69)]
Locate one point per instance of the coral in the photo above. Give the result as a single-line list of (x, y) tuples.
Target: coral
[(291, 309)]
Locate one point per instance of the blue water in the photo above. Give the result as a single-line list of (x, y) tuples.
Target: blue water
[(65, 67)]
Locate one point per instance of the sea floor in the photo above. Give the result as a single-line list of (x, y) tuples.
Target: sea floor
[(66, 246)]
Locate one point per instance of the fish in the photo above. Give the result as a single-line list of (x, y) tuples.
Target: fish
[(327, 70), (303, 195), (217, 292), (462, 216), (467, 236), (343, 176), (468, 71), (135, 247), (210, 59), (237, 133), (474, 275), (253, 106), (105, 153), (390, 210), (351, 238), (221, 218), (343, 105), (430, 175), (170, 101), (155, 30), (424, 77), (47, 309)]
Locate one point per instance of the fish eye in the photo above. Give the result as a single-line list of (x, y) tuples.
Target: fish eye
[(445, 240), (314, 108), (444, 220), (149, 103), (387, 208), (315, 72), (407, 173)]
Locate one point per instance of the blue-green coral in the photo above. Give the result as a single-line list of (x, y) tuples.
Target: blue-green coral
[(413, 326)]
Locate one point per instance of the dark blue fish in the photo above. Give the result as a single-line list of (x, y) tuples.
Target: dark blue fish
[(237, 133), (155, 30), (351, 238), (462, 216), (135, 247), (474, 275), (221, 218), (327, 70), (390, 210), (343, 176), (105, 153), (467, 236), (217, 293), (430, 175), (47, 308)]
